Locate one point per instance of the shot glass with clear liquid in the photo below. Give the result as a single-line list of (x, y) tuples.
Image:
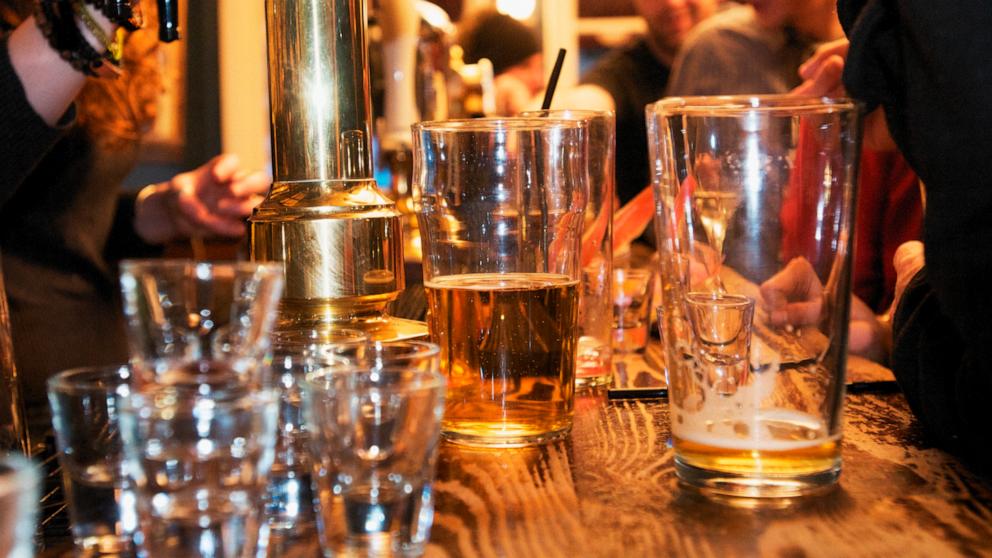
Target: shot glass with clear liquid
[(289, 497), (633, 290), (86, 405), (199, 458), (375, 434)]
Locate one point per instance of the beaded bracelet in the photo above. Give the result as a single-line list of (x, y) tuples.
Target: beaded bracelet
[(126, 13), (55, 19)]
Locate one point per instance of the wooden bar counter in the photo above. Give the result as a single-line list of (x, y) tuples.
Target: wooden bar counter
[(610, 489)]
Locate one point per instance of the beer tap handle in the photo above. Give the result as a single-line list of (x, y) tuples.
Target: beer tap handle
[(168, 20)]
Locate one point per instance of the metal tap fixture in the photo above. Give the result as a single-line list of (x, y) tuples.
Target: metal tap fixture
[(324, 218)]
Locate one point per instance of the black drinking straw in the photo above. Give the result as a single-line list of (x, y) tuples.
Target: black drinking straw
[(553, 80)]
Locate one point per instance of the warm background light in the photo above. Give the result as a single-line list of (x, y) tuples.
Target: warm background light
[(517, 9)]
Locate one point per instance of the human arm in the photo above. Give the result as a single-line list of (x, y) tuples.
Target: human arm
[(211, 200), (37, 88)]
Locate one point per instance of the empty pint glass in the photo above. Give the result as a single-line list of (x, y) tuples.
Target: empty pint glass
[(754, 231), (500, 220)]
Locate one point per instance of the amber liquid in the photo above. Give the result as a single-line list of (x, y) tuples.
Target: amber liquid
[(508, 345), (796, 461)]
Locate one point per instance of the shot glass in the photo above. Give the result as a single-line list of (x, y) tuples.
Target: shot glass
[(192, 322), (86, 404), (418, 355), (19, 487), (632, 294), (501, 212), (374, 447), (199, 459), (289, 501)]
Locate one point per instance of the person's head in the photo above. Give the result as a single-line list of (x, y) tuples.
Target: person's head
[(669, 21), (815, 19), (506, 42)]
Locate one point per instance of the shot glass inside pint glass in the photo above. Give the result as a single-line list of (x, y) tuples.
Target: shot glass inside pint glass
[(754, 238)]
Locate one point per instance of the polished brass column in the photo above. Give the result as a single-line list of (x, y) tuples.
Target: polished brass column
[(324, 218)]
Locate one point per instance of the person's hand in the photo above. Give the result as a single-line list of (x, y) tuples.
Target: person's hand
[(211, 200), (908, 261), (822, 76), (793, 297), (822, 72)]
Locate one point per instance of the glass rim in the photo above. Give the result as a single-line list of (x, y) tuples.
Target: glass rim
[(563, 113), (91, 379), (423, 380), (497, 124), (424, 348), (130, 265), (730, 105), (316, 336)]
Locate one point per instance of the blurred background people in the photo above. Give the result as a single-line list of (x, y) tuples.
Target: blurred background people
[(628, 78), (68, 140), (513, 50)]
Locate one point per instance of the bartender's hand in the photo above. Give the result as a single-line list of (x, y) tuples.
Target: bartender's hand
[(211, 200), (822, 76)]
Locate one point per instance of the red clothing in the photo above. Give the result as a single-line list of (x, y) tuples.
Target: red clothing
[(889, 212)]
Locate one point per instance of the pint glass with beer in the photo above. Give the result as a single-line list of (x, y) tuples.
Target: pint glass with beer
[(500, 215), (754, 226)]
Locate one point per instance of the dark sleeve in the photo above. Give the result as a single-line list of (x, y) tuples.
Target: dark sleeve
[(24, 137), (947, 387), (124, 241), (927, 64)]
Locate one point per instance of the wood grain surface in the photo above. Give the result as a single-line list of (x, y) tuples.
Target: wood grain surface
[(610, 490)]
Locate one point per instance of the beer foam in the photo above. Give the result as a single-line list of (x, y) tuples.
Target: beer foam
[(757, 433)]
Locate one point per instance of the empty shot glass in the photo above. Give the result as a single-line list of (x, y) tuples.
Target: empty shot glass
[(199, 459), (632, 293), (19, 485), (86, 406), (375, 435), (192, 322)]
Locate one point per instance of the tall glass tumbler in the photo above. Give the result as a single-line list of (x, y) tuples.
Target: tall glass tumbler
[(86, 406), (500, 219), (192, 322), (755, 211), (374, 440), (594, 363), (199, 460)]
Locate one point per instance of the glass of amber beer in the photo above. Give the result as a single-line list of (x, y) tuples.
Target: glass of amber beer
[(754, 228), (501, 212)]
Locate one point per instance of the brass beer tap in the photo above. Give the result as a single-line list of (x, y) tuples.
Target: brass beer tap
[(325, 219)]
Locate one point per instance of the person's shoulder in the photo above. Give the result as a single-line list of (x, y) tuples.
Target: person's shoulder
[(735, 24), (626, 61)]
